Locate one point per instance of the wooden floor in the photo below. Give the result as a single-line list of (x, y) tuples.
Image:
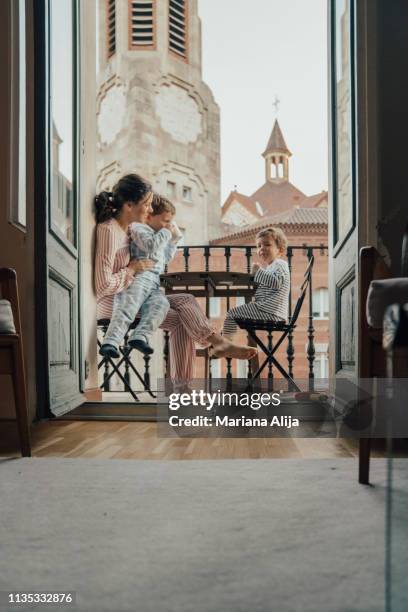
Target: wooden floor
[(136, 440)]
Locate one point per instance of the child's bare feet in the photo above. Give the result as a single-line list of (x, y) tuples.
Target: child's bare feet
[(235, 351)]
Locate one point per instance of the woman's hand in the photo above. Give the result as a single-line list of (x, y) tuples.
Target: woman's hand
[(255, 267), (140, 265)]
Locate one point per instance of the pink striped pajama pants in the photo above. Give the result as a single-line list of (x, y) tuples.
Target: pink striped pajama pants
[(187, 325)]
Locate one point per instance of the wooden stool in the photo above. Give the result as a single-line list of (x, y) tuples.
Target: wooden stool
[(11, 358), (111, 367)]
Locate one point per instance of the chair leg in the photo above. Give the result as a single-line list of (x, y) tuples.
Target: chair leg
[(115, 370), (364, 460), (125, 378), (254, 360), (20, 398), (271, 359)]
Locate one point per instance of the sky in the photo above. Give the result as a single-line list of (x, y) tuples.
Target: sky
[(259, 50)]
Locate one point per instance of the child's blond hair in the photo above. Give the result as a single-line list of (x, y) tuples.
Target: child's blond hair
[(160, 204), (277, 235)]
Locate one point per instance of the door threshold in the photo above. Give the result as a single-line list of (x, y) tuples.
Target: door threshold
[(110, 411)]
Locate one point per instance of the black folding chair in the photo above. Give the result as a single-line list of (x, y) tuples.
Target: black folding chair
[(112, 368), (251, 326)]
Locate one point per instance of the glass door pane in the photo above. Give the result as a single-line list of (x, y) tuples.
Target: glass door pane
[(62, 252), (62, 119), (343, 133)]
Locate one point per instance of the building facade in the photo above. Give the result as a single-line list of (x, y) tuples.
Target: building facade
[(155, 115)]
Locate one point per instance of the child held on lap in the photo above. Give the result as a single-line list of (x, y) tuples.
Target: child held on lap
[(157, 240), (272, 277)]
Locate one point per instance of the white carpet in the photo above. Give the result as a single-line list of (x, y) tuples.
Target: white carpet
[(202, 536)]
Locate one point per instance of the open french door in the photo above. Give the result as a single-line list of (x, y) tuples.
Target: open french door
[(343, 239), (57, 243), (353, 89)]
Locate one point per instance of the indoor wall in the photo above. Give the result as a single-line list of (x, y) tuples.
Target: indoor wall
[(17, 244)]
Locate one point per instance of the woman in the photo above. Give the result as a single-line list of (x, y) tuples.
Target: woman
[(130, 201)]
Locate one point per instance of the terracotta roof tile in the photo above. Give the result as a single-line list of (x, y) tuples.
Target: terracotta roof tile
[(295, 220), (299, 216)]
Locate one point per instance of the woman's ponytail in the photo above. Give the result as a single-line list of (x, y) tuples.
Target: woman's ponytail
[(104, 207)]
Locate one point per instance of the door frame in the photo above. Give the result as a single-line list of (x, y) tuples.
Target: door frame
[(41, 203)]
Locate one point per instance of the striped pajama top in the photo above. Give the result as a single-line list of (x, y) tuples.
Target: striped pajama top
[(112, 255), (272, 293)]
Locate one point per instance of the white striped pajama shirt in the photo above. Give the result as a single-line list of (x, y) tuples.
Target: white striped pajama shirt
[(271, 299)]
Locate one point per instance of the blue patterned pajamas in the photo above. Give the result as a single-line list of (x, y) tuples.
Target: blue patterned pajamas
[(143, 294)]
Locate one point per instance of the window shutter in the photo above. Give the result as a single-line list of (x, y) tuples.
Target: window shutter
[(111, 26), (141, 24), (178, 27)]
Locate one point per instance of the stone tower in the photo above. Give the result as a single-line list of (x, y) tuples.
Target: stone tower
[(276, 156), (155, 115)]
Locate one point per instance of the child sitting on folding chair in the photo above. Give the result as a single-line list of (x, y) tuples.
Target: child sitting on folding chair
[(156, 240), (271, 299)]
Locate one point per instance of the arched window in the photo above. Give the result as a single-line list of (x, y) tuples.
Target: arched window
[(171, 190), (320, 303)]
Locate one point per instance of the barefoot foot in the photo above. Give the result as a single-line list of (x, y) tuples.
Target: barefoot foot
[(234, 351)]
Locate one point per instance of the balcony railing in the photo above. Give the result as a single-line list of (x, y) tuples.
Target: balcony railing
[(228, 258)]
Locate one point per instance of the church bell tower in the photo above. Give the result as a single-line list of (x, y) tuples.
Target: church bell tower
[(276, 157)]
